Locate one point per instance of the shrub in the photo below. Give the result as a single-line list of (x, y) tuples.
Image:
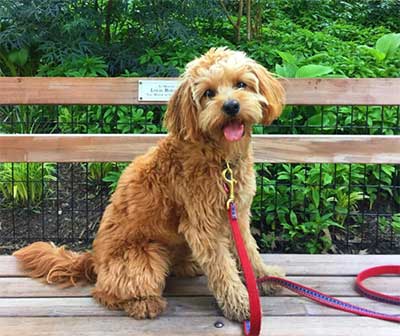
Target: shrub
[(25, 183)]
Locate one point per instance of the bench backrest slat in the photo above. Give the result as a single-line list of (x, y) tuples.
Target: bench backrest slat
[(124, 91), (267, 148)]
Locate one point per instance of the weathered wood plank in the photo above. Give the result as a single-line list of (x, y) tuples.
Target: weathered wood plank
[(124, 91), (202, 326), (11, 287), (354, 91), (178, 306), (267, 148), (294, 264), (333, 264)]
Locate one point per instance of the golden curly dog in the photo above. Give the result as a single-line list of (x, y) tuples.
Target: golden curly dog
[(168, 212)]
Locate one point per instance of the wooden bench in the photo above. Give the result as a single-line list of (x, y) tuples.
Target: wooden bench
[(28, 307)]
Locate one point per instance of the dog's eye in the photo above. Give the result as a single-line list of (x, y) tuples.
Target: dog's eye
[(241, 85), (209, 93)]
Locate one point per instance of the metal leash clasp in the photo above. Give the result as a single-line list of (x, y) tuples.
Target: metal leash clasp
[(227, 175)]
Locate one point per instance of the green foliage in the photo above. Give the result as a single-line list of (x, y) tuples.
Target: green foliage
[(396, 223), (18, 57), (296, 38), (112, 177), (291, 66), (310, 203), (385, 47), (97, 170), (21, 183), (26, 119), (108, 119), (135, 120), (85, 66), (117, 31)]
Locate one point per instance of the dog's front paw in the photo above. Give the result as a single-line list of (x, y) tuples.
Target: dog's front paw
[(268, 287), (235, 306), (145, 307)]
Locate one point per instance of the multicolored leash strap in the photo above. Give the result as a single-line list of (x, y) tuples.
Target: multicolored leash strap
[(253, 326)]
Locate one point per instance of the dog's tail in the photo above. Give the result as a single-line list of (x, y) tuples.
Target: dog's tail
[(56, 265)]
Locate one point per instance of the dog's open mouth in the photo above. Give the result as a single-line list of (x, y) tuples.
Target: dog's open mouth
[(233, 130)]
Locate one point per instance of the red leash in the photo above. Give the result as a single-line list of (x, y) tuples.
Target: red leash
[(253, 327)]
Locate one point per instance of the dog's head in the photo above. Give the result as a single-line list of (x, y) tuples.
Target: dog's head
[(222, 94)]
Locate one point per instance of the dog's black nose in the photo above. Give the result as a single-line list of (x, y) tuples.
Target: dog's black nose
[(231, 107)]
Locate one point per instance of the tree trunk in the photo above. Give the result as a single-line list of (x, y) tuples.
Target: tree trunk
[(239, 21), (236, 26), (107, 33), (248, 9)]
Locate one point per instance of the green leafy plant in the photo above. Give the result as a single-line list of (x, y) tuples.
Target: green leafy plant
[(136, 120), (97, 170), (385, 47), (85, 66), (292, 67), (112, 177), (25, 182), (396, 223)]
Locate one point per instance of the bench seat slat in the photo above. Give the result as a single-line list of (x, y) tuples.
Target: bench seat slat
[(190, 326), (177, 306), (294, 264), (334, 285)]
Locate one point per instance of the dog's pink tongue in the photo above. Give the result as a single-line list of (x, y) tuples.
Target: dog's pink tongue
[(233, 131)]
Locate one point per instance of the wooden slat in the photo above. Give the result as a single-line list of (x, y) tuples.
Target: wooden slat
[(350, 91), (294, 264), (12, 287), (116, 91), (188, 326), (267, 148), (179, 306)]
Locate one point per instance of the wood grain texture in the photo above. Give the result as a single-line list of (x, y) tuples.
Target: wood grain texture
[(177, 306), (12, 287), (124, 91), (267, 148), (194, 325), (294, 264), (28, 307)]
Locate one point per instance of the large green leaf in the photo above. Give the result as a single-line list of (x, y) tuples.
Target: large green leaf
[(287, 70), (379, 55), (388, 44), (19, 57), (287, 57), (313, 70)]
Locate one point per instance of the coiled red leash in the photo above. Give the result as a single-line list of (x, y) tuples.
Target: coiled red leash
[(253, 326)]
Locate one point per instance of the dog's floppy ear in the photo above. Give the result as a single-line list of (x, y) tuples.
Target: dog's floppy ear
[(180, 118), (272, 91)]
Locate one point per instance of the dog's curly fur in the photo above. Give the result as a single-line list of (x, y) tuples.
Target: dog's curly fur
[(168, 212)]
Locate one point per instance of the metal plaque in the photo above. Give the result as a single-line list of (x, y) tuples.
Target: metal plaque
[(156, 90)]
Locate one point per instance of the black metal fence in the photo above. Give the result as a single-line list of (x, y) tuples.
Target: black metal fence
[(339, 208)]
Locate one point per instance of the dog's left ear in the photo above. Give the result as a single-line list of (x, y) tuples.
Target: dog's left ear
[(272, 91), (180, 118)]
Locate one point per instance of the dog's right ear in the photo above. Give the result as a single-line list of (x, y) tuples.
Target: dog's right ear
[(180, 118)]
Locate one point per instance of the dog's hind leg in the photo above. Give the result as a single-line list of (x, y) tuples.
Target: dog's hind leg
[(134, 281)]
